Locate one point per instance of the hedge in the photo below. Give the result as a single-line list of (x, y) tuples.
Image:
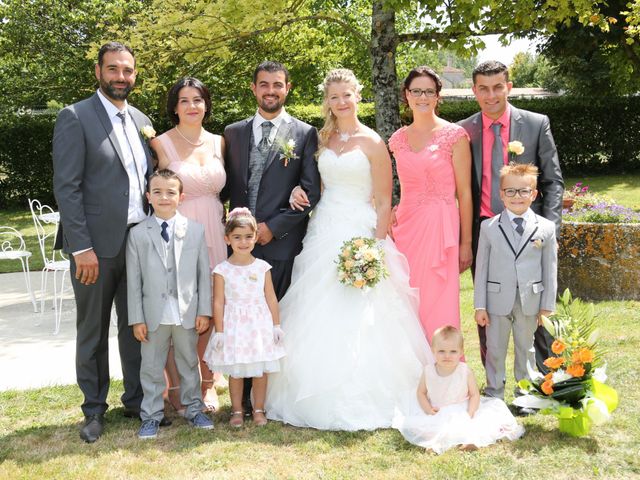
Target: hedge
[(591, 138)]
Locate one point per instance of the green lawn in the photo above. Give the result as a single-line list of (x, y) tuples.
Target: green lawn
[(39, 436), (623, 188)]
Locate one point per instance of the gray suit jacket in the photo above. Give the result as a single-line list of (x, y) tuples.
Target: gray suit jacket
[(147, 274), (504, 268), (534, 131), (90, 182)]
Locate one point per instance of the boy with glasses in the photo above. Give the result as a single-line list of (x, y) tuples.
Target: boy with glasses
[(515, 277)]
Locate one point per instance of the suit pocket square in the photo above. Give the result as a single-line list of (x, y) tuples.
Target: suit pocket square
[(493, 287)]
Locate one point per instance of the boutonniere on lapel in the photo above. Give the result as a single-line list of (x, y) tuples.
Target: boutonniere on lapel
[(537, 242), (148, 132), (181, 230), (288, 151), (515, 148)]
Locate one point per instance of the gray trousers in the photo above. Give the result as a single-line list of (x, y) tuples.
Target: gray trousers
[(498, 331), (154, 357)]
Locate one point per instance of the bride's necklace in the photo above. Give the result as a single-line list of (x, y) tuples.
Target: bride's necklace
[(195, 144), (344, 137)]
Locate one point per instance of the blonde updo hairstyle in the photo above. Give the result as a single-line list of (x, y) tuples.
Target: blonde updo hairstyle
[(338, 75)]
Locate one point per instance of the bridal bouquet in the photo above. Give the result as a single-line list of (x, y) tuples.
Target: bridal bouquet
[(361, 263), (574, 389)]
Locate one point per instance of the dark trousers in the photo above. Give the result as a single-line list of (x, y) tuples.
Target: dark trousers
[(281, 276), (542, 340), (93, 305)]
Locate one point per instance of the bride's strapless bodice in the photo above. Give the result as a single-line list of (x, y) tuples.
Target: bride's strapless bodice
[(346, 176)]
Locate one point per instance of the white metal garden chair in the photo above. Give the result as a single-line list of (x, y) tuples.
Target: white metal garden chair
[(46, 222), (12, 247)]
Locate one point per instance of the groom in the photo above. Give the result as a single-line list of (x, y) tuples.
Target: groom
[(262, 171), (499, 120)]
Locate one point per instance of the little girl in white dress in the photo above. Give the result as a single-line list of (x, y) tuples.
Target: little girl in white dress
[(247, 342), (448, 410)]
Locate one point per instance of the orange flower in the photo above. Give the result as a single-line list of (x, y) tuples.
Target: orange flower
[(547, 387), (582, 355), (558, 347), (575, 370), (554, 362), (548, 376)]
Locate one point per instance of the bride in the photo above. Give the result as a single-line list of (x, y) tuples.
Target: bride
[(350, 353)]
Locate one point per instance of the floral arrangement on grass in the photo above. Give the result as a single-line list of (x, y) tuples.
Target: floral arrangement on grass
[(361, 263), (574, 389)]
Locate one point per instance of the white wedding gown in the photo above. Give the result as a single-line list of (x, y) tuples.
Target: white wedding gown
[(351, 354)]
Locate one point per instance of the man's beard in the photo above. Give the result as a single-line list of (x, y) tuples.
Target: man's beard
[(112, 92), (271, 107)]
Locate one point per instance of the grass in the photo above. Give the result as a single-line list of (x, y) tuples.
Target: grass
[(39, 436)]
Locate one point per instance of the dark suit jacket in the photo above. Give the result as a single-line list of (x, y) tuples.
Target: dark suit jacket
[(272, 206), (534, 131), (90, 182)]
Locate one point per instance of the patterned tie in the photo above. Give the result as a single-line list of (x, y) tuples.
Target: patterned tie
[(164, 232), (123, 117), (264, 144), (497, 162), (519, 228)]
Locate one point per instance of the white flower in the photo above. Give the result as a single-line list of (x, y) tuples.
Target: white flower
[(181, 231), (560, 376), (516, 147), (148, 132), (600, 374), (433, 148), (537, 242)]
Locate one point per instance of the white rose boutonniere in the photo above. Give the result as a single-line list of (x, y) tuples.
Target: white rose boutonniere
[(515, 148), (181, 231), (288, 151), (537, 242), (148, 132)]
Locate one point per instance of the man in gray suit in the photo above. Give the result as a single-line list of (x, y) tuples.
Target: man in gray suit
[(498, 120), (101, 164), (515, 277), (169, 293)]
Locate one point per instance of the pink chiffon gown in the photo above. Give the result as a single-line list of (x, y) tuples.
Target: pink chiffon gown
[(202, 185), (428, 224)]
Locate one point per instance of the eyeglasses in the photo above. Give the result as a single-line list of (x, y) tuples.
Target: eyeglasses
[(522, 192), (417, 92)]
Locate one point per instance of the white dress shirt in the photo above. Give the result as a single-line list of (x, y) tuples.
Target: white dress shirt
[(137, 182), (526, 217), (258, 120), (171, 312)]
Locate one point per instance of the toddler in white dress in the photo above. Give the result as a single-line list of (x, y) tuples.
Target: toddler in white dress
[(448, 410), (247, 342)]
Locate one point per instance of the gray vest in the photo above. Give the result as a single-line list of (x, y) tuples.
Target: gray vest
[(257, 162), (168, 314)]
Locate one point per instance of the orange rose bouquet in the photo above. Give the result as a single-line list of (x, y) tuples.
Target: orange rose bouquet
[(574, 390), (361, 263)]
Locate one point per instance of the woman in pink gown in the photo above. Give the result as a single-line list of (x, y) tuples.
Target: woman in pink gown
[(196, 156), (432, 230)]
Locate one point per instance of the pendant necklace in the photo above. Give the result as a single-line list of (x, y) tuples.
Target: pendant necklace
[(196, 144), (344, 137)]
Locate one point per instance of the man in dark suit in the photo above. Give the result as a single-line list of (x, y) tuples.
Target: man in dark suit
[(498, 120), (266, 157), (101, 163)]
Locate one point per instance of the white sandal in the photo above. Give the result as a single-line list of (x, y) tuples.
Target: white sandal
[(259, 423), (237, 419)]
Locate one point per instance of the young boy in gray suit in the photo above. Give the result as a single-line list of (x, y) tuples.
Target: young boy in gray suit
[(515, 277), (169, 300)]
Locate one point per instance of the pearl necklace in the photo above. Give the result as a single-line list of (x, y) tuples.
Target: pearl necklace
[(197, 144)]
